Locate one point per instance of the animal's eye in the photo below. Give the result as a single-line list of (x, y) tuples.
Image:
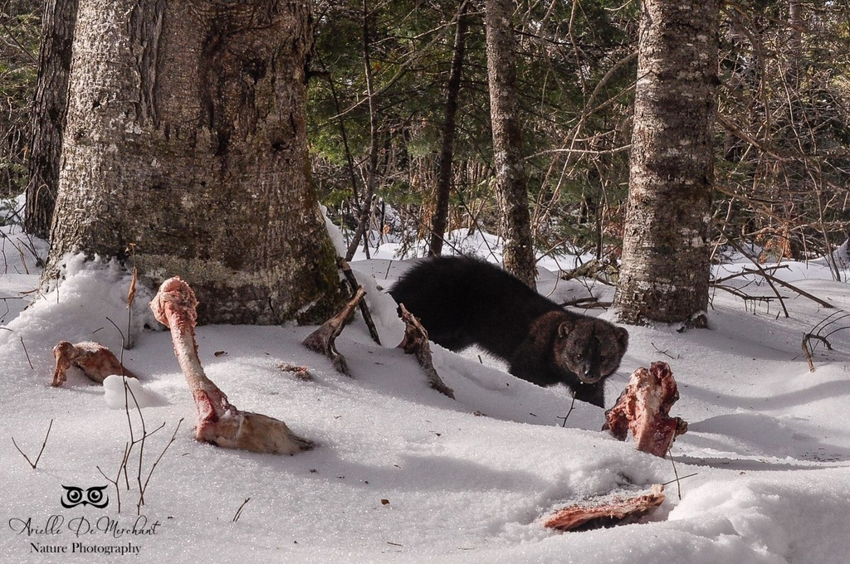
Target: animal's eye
[(579, 356)]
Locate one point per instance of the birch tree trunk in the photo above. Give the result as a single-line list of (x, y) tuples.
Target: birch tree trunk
[(185, 154), (511, 189), (665, 266)]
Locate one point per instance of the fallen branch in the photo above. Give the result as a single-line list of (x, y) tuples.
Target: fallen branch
[(746, 297), (322, 340), (790, 286), (364, 307), (586, 303), (816, 333), (415, 342), (746, 271), (596, 269), (807, 350), (761, 271)]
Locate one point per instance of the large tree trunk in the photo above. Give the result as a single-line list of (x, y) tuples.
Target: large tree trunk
[(665, 270), (185, 154), (507, 141), (48, 113), (439, 221)]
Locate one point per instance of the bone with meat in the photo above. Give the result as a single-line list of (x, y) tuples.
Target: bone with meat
[(644, 409), (616, 508), (96, 361), (219, 422)]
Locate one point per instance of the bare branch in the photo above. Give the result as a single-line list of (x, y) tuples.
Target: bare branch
[(44, 444)]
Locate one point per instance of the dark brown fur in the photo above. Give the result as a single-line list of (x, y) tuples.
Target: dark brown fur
[(462, 301)]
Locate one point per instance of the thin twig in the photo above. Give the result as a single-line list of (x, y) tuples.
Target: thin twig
[(680, 478), (156, 462), (675, 473), (664, 352), (790, 286), (123, 346), (121, 468), (239, 511), (132, 296), (572, 407), (26, 352), (761, 271), (44, 444)]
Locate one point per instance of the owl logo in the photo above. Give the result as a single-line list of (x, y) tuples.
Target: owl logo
[(74, 496)]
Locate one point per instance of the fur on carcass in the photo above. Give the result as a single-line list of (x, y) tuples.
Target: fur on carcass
[(96, 361), (219, 422)]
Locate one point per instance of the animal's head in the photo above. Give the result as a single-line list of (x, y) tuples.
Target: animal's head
[(590, 348)]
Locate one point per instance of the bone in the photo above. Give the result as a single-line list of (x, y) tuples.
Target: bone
[(219, 421), (96, 361)]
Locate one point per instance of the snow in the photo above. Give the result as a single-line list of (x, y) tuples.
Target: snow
[(404, 474), (120, 391)]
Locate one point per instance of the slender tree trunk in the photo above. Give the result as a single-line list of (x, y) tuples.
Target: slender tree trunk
[(666, 252), (795, 44), (372, 164), (507, 141), (439, 221), (48, 114), (185, 153)]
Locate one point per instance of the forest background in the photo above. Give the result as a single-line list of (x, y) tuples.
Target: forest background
[(381, 72)]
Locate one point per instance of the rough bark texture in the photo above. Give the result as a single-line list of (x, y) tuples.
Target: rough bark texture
[(186, 140), (48, 113), (439, 221), (665, 270), (507, 141)]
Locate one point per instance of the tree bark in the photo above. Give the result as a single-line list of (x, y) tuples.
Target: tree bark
[(47, 119), (185, 153), (439, 221), (666, 253), (510, 178)]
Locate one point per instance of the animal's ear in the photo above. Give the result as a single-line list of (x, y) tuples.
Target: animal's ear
[(622, 338), (565, 328)]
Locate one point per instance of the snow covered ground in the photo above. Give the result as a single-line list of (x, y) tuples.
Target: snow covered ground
[(404, 474)]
